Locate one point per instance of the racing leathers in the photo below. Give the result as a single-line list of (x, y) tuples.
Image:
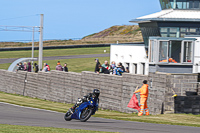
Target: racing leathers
[(82, 100)]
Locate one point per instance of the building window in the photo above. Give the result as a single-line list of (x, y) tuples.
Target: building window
[(151, 55), (187, 55), (178, 31), (163, 51), (175, 51), (180, 4), (162, 29)]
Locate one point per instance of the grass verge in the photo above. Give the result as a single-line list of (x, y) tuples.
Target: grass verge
[(171, 119), (54, 52), (5, 128)]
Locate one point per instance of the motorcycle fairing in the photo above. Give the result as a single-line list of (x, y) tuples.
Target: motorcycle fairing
[(78, 110)]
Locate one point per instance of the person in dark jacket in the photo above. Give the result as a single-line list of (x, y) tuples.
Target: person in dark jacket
[(29, 67), (96, 70), (122, 66), (65, 69), (35, 68), (20, 67), (103, 70)]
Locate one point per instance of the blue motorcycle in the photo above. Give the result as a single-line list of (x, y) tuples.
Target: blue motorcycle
[(84, 111)]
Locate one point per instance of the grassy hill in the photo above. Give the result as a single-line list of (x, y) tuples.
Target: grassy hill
[(122, 34)]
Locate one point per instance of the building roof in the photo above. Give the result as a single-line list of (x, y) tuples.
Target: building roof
[(170, 15)]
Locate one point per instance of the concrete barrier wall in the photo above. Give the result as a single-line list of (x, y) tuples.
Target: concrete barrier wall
[(187, 104), (116, 91)]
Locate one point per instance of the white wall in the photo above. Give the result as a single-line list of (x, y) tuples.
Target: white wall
[(196, 65), (130, 53)]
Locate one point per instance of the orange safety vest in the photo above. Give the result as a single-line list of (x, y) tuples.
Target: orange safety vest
[(143, 91)]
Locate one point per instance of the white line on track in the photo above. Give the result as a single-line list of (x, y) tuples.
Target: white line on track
[(31, 108)]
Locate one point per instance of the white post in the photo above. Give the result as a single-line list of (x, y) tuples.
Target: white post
[(32, 49), (41, 43)]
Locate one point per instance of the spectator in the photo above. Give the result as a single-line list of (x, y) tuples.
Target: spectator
[(122, 66), (59, 67), (106, 65), (25, 66), (46, 68), (118, 69), (35, 68), (65, 69), (17, 67), (29, 67), (103, 70), (21, 67), (112, 67), (96, 70)]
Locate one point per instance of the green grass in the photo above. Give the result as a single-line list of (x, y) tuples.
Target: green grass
[(74, 65), (172, 119), (5, 66), (54, 52), (4, 128)]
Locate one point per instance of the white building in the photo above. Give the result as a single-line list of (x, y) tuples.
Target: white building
[(171, 41)]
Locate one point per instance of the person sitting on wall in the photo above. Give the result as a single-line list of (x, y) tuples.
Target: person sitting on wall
[(21, 67), (17, 67), (94, 95), (119, 69), (103, 70), (112, 67), (106, 65), (46, 68), (143, 98), (122, 66), (25, 66)]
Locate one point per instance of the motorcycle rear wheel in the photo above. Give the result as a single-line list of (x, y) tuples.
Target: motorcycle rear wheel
[(67, 116), (85, 114)]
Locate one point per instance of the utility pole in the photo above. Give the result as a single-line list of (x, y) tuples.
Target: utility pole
[(41, 42), (32, 48)]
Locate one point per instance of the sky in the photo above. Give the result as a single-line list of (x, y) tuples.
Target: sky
[(65, 19)]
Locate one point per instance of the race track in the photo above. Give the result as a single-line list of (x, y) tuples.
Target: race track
[(17, 115)]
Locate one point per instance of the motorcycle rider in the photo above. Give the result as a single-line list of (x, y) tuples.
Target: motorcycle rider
[(94, 95)]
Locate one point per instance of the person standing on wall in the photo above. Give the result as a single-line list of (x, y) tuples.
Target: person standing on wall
[(96, 70), (143, 98)]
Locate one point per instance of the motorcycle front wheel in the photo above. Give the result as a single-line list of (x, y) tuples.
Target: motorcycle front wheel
[(85, 114), (67, 116)]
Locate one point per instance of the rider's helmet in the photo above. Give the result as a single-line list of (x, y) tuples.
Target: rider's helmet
[(96, 92), (79, 101)]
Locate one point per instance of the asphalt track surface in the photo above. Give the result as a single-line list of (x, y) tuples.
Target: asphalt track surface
[(10, 60), (17, 115)]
